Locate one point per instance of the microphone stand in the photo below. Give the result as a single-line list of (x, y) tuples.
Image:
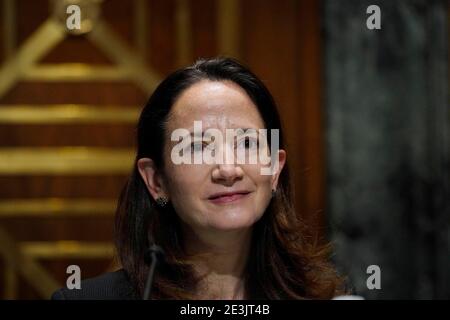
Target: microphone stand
[(152, 254)]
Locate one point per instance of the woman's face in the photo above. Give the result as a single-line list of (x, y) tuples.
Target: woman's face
[(193, 188)]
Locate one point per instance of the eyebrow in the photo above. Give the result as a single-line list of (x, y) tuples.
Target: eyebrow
[(191, 133)]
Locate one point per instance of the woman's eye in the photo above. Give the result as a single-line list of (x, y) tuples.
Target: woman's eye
[(248, 143), (200, 146)]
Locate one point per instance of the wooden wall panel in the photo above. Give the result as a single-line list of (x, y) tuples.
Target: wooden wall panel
[(279, 40)]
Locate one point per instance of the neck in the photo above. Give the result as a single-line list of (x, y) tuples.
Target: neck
[(221, 262)]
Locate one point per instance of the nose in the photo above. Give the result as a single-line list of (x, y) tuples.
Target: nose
[(227, 174)]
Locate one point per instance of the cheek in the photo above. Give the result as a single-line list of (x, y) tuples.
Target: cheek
[(183, 179), (186, 185), (262, 183), (260, 180)]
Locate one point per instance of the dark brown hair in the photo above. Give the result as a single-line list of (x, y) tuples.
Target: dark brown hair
[(284, 264)]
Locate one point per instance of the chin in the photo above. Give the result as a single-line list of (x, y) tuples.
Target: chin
[(233, 224)]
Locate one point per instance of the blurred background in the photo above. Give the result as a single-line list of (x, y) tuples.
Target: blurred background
[(366, 115)]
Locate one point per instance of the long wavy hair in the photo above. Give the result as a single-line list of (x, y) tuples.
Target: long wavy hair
[(284, 262)]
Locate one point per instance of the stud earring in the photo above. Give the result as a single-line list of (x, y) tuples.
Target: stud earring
[(274, 192), (162, 201)]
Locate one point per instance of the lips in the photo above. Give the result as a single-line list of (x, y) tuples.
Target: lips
[(226, 197)]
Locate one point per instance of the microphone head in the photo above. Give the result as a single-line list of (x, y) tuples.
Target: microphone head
[(153, 251)]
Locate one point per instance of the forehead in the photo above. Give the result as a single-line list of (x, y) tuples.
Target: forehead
[(218, 104)]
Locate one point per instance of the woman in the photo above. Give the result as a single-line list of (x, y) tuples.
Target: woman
[(228, 231)]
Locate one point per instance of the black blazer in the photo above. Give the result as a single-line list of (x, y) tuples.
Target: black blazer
[(109, 286)]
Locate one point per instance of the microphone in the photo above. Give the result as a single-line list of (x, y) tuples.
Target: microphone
[(151, 257)]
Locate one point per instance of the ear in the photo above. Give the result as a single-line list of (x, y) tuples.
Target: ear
[(152, 178), (281, 161)]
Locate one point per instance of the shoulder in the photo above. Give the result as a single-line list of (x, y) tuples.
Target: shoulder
[(109, 286)]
